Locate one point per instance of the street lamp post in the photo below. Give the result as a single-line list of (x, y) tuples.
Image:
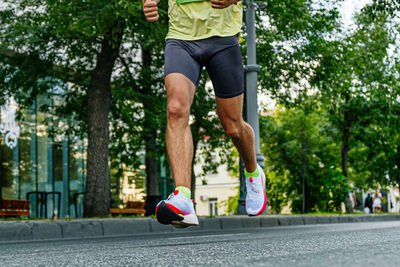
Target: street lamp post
[(251, 70)]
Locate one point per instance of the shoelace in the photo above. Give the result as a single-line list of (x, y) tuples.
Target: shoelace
[(253, 187), (170, 196)]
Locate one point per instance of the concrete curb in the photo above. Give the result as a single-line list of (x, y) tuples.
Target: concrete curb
[(14, 231)]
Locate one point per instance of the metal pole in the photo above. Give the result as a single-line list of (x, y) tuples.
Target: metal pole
[(251, 70), (1, 189), (37, 163)]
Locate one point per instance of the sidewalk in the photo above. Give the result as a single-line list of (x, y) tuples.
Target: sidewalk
[(90, 228)]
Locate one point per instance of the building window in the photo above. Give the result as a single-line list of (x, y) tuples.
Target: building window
[(47, 163), (6, 172), (213, 203)]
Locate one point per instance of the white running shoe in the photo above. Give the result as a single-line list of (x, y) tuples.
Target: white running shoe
[(177, 210), (256, 198)]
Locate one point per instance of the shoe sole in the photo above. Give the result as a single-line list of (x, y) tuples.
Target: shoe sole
[(165, 215), (188, 220)]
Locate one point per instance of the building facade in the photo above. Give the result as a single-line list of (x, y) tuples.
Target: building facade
[(214, 190), (41, 162)]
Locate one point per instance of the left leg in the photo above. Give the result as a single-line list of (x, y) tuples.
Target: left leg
[(230, 113), (226, 72), (225, 68)]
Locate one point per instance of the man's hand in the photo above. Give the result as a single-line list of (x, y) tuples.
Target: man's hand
[(150, 10), (223, 3)]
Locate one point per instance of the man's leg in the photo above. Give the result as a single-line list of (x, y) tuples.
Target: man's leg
[(226, 72), (180, 93), (182, 73), (178, 209), (230, 114)]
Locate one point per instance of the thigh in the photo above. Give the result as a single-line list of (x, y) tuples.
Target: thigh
[(180, 93), (225, 69), (179, 59)]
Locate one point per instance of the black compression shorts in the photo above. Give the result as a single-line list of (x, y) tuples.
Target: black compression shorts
[(220, 55)]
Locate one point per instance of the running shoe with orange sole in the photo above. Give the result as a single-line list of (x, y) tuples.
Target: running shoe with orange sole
[(177, 210)]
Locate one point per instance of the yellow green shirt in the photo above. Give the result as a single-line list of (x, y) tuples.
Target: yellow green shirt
[(198, 20)]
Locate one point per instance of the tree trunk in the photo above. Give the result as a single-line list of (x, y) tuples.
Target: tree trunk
[(303, 170), (345, 149), (193, 176), (150, 136), (153, 193), (1, 189), (398, 165), (97, 197)]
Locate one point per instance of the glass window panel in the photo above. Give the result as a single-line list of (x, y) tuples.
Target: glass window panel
[(59, 129), (73, 161), (6, 172), (42, 162), (25, 157), (57, 162), (41, 126)]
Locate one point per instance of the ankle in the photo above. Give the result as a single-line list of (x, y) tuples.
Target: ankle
[(185, 191), (254, 173)]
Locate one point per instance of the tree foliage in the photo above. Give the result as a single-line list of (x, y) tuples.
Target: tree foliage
[(390, 7), (339, 90), (353, 75), (290, 35), (293, 138), (50, 42)]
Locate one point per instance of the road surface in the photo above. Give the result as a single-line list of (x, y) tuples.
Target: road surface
[(352, 244)]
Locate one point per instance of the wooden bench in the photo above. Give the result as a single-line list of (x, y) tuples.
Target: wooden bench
[(14, 208), (132, 207)]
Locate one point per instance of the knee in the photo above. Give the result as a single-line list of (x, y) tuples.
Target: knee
[(177, 111), (233, 130), (233, 133)]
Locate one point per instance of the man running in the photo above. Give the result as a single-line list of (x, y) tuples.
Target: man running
[(201, 34)]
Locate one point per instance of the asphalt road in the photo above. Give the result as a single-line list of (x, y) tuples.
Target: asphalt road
[(352, 244)]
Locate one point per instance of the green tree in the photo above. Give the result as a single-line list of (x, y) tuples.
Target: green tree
[(45, 42), (351, 76), (139, 123), (71, 46), (290, 38), (383, 132), (302, 166), (378, 7), (289, 34), (304, 51)]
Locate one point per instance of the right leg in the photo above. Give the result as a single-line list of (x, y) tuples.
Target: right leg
[(178, 209), (182, 73), (180, 93)]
